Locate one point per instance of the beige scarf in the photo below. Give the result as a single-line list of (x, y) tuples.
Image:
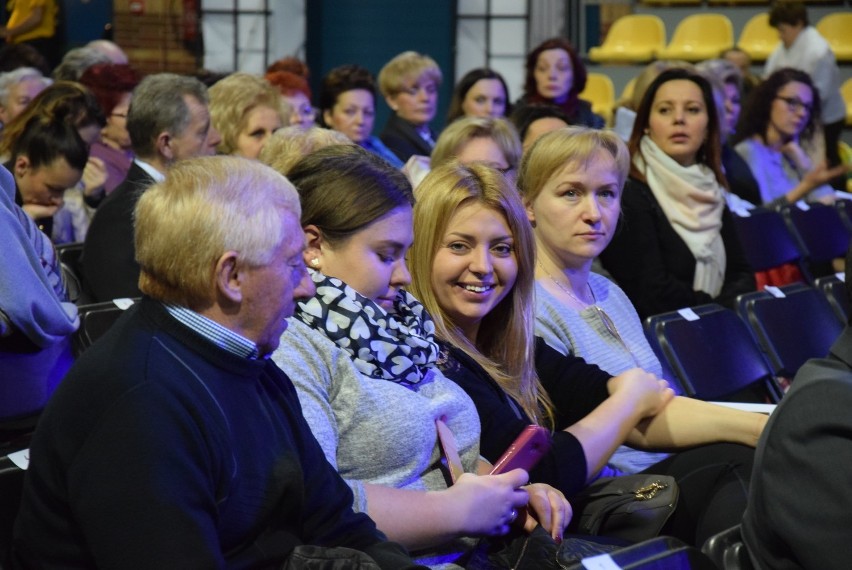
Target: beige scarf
[(693, 202)]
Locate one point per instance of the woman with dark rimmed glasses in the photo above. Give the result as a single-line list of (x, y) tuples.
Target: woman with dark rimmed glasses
[(776, 138)]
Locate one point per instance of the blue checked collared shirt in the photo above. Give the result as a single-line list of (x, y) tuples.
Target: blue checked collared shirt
[(214, 332)]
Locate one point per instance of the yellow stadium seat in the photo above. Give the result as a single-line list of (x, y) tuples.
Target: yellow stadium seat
[(837, 29), (758, 39), (699, 37), (634, 38), (600, 92), (846, 90)]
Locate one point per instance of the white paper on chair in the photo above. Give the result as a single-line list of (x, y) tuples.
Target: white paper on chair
[(748, 407)]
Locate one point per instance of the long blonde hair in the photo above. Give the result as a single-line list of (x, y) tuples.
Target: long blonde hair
[(505, 346)]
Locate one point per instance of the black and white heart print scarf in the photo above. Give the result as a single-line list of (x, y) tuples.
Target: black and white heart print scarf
[(398, 346)]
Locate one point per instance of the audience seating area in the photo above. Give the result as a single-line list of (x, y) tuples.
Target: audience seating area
[(837, 29), (601, 92), (639, 38), (758, 39), (635, 38), (713, 355)]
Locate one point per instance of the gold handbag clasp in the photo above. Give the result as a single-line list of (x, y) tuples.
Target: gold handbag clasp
[(648, 492)]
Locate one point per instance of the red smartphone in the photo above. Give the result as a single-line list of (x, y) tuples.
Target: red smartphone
[(525, 451)]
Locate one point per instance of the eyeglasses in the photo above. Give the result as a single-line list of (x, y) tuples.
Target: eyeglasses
[(794, 104)]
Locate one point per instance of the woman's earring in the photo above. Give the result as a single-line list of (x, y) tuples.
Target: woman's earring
[(315, 262)]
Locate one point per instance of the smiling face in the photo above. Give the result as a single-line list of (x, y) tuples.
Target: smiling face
[(260, 123), (416, 102), (678, 121), (353, 114), (372, 261), (553, 74), (475, 266), (486, 98), (576, 212), (790, 111)]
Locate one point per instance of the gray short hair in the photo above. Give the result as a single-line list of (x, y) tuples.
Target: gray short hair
[(78, 60), (158, 105), (12, 78)]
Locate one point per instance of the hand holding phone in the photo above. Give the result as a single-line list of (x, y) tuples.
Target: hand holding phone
[(525, 452)]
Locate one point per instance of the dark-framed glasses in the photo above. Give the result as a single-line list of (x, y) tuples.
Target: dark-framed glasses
[(795, 104)]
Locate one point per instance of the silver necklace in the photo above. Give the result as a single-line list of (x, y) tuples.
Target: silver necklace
[(567, 290)]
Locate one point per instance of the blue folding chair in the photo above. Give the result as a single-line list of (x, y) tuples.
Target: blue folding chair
[(714, 357), (821, 234), (790, 329), (767, 242), (835, 291)]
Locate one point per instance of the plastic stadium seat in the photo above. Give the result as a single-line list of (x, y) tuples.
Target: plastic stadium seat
[(714, 356), (634, 38), (837, 29), (600, 92), (846, 91), (758, 39), (627, 92), (834, 289), (699, 37), (790, 329)]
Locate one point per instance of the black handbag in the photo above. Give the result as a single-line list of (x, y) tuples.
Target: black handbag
[(629, 507)]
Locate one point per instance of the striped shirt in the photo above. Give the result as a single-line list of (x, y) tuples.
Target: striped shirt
[(214, 332)]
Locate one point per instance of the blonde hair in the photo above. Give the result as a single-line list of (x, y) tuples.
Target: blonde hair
[(462, 131), (568, 145), (212, 205), (289, 145), (505, 345), (407, 67), (231, 100)]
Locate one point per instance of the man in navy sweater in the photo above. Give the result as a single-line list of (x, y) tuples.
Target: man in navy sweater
[(175, 442)]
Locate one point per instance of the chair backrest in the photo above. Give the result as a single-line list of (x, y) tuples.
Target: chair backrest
[(758, 39), (844, 207), (791, 329), (704, 29), (728, 550), (714, 356), (653, 554), (820, 231), (834, 290), (835, 29), (638, 30), (69, 255), (600, 92), (11, 489), (766, 240), (95, 320)]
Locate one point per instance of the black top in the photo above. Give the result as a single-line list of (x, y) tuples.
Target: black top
[(109, 254), (163, 450), (740, 178), (576, 389), (654, 266), (403, 139), (799, 512)]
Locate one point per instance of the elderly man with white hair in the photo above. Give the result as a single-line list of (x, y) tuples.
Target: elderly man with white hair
[(175, 442)]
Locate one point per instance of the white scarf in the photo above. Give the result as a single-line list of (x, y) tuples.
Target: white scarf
[(693, 202)]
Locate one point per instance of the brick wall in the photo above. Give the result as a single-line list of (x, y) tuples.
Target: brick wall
[(152, 39)]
